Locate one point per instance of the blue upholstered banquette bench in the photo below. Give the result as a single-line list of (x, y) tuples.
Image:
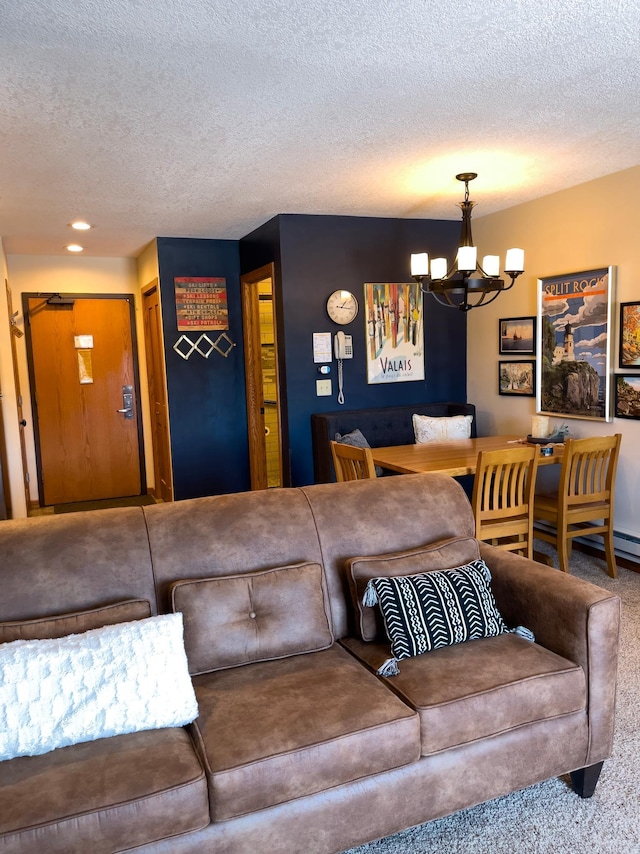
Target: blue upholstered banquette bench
[(383, 426)]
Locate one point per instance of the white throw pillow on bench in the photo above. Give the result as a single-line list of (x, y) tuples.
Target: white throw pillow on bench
[(118, 679), (428, 428)]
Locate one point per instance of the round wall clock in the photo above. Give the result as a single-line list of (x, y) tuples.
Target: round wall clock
[(342, 307)]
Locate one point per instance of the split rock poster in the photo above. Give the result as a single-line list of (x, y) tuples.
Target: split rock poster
[(574, 332), (395, 339)]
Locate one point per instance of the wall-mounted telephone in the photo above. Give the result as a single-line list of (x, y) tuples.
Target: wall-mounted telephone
[(343, 346), (343, 349)]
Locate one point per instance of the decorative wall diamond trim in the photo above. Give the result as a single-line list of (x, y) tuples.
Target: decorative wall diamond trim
[(185, 347)]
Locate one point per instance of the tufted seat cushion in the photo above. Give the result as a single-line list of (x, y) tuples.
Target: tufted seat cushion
[(277, 730)]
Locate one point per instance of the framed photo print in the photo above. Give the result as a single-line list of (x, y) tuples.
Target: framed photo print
[(517, 378), (630, 334), (517, 336), (627, 396), (574, 344)]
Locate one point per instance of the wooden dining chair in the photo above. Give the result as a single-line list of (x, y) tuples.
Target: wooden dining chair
[(352, 463), (583, 503), (502, 498)]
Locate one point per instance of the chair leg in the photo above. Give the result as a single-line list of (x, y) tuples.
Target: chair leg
[(612, 567), (563, 552)]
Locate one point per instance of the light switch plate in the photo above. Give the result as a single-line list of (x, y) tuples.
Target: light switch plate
[(323, 388)]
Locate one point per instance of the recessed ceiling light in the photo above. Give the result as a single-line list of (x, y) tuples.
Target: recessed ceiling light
[(80, 225), (74, 247)]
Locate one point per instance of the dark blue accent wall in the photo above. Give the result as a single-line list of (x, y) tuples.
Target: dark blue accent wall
[(313, 256), (319, 254), (207, 407)]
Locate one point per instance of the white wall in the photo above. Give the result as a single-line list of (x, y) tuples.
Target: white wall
[(52, 274), (586, 227)]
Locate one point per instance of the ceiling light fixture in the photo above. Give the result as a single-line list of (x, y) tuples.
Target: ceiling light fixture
[(80, 225), (74, 247), (454, 285)]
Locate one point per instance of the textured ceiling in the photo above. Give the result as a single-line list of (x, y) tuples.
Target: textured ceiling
[(205, 118)]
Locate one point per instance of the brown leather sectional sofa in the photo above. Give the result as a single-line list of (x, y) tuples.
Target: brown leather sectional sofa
[(299, 746)]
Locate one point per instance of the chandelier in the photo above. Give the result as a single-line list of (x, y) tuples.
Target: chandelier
[(466, 284)]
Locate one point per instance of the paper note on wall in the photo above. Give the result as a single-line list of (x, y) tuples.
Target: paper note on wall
[(82, 341), (85, 366)]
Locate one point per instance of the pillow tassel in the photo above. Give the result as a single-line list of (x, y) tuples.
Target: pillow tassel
[(370, 597), (524, 632), (389, 668)]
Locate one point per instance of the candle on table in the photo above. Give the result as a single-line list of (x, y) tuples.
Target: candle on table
[(540, 426)]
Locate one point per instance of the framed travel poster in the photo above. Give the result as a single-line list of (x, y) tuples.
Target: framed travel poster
[(574, 344), (395, 334)]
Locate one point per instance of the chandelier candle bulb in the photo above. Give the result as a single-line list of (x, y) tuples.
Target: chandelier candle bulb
[(540, 426), (420, 264), (491, 265), (514, 261), (467, 258), (438, 268)]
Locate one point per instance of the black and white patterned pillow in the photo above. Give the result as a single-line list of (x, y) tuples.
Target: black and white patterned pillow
[(435, 609)]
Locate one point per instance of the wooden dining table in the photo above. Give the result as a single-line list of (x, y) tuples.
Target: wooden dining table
[(456, 457)]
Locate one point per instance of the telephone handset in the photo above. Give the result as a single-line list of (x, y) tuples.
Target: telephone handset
[(343, 346), (343, 349)]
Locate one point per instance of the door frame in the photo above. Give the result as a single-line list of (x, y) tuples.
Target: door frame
[(130, 298), (253, 374), (16, 333), (145, 292)]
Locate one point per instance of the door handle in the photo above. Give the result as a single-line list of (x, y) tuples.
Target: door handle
[(127, 401)]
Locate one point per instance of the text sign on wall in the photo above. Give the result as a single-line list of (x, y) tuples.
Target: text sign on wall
[(201, 303)]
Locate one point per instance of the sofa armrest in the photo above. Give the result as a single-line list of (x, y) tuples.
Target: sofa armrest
[(575, 619)]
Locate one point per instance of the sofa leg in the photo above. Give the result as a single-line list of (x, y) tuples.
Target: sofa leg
[(584, 780)]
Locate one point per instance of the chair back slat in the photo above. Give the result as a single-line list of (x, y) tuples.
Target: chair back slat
[(502, 497), (590, 467), (583, 505), (352, 463)]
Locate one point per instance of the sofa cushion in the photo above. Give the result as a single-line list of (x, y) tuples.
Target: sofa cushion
[(103, 796), (445, 554), (471, 691), (277, 730), (435, 609), (258, 616), (74, 623), (427, 428), (104, 682)]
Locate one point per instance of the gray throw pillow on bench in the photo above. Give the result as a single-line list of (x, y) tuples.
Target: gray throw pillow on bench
[(357, 440)]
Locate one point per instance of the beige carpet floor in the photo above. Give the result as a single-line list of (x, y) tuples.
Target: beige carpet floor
[(549, 817)]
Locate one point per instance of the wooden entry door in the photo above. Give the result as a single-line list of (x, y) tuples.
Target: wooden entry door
[(81, 361)]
